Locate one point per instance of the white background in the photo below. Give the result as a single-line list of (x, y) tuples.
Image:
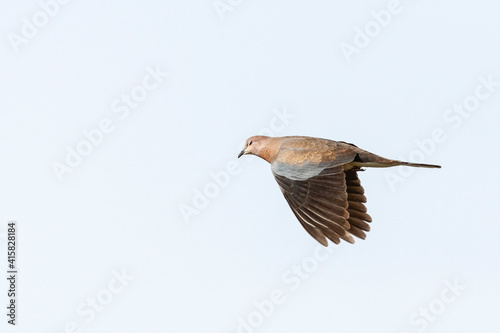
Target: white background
[(229, 73)]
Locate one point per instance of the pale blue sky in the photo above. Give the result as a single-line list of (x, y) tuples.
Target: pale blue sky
[(159, 96)]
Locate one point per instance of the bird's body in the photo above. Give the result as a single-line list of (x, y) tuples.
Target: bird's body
[(319, 180)]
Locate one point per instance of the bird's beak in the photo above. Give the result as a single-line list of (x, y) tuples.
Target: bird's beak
[(241, 153)]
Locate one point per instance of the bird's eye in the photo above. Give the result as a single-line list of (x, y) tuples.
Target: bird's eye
[(249, 142)]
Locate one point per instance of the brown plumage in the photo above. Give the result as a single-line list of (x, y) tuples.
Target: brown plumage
[(319, 180)]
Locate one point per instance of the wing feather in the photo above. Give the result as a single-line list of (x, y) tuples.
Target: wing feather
[(320, 207), (358, 217), (327, 201)]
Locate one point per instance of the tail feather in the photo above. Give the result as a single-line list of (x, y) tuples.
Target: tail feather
[(418, 165), (386, 163), (366, 159)]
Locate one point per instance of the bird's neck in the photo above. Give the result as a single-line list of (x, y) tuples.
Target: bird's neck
[(270, 149)]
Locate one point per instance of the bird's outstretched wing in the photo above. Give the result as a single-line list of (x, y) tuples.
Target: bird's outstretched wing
[(320, 204), (329, 205), (327, 200)]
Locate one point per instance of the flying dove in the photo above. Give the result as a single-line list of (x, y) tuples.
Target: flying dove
[(319, 180)]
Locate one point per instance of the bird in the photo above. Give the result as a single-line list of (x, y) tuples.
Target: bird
[(319, 180)]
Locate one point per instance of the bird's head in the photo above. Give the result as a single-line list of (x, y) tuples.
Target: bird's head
[(255, 145)]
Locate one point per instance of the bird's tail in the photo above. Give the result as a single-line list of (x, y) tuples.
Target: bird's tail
[(417, 165), (367, 159)]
